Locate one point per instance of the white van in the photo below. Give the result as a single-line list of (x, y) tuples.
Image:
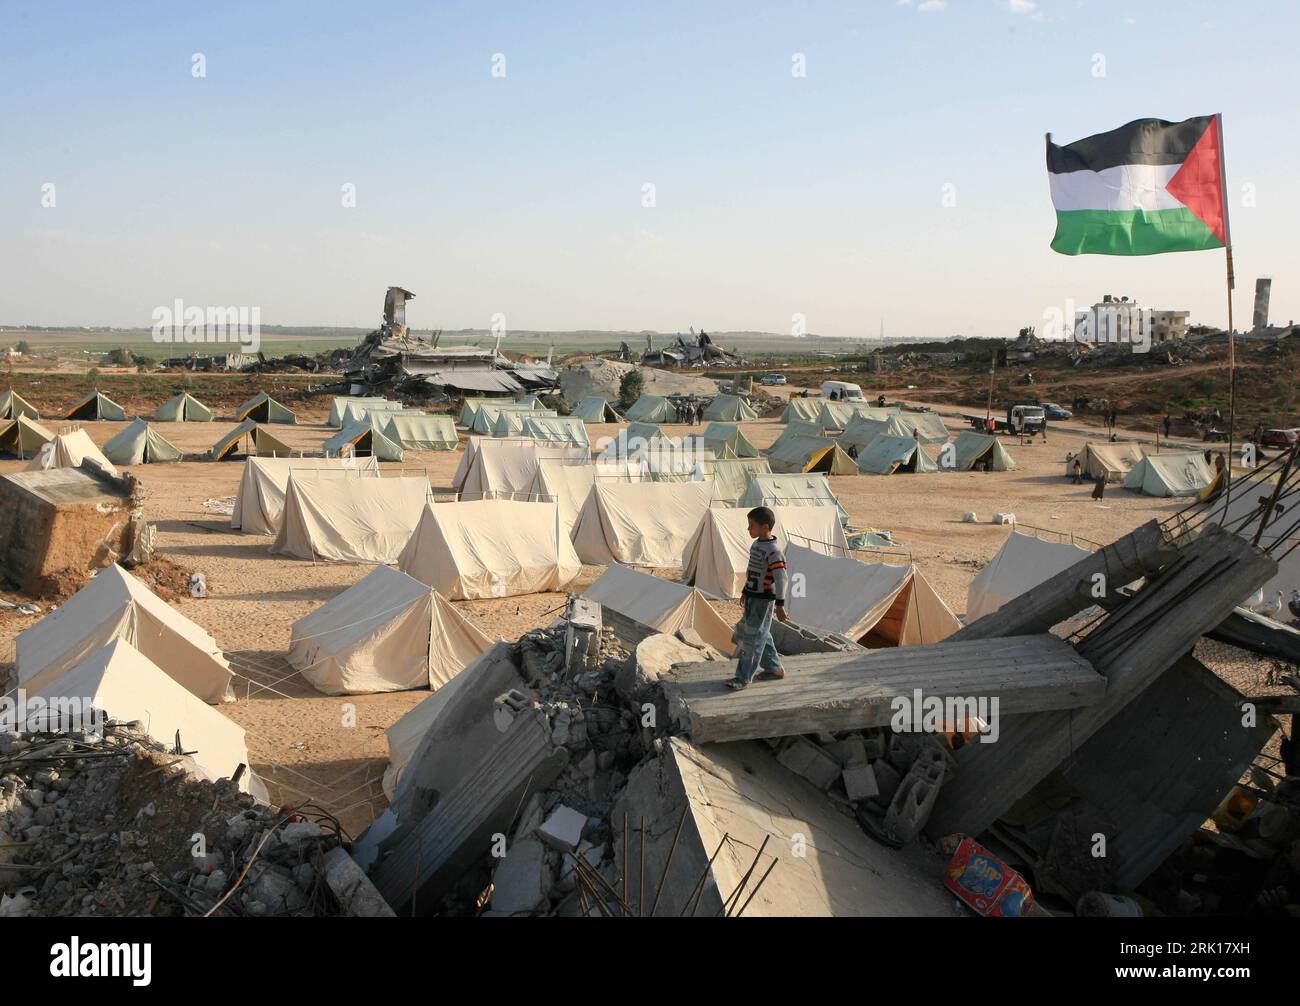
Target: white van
[(844, 391)]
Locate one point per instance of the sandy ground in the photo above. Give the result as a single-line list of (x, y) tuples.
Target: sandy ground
[(332, 749)]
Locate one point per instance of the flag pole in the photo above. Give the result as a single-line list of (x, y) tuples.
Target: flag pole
[(1232, 341)]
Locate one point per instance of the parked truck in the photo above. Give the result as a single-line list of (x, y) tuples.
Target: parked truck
[(1021, 417)]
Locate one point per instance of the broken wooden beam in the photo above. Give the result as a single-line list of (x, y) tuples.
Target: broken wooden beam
[(1139, 553), (827, 692), (1131, 647)]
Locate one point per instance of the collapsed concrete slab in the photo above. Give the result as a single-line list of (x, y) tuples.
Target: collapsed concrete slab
[(1131, 647), (850, 691), (821, 863)]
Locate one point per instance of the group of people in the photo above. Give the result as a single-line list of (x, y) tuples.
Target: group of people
[(688, 412)]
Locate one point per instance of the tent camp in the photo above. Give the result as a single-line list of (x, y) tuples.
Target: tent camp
[(863, 428), (791, 490), (359, 412), (263, 408), (570, 485), (729, 409), (116, 605), (972, 449), (1181, 474), (731, 476), (13, 405), (184, 408), (140, 444), (490, 548), (715, 557), (421, 433), (1112, 460), (556, 429), (248, 439), (125, 685), (661, 604), (500, 467), (594, 409), (873, 603), (386, 633), (68, 450), (361, 438), (341, 402), (885, 455), (510, 422), (23, 437), (640, 523), (349, 520), (1022, 563), (259, 501), (797, 453), (652, 409), (469, 405), (726, 440), (806, 409), (96, 406)]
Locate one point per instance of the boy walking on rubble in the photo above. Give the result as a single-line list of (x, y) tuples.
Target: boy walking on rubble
[(766, 583)]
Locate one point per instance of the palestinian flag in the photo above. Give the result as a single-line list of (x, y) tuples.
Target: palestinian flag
[(1143, 189)]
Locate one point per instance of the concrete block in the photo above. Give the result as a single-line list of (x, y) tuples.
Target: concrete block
[(910, 808), (563, 829), (887, 779), (850, 751), (522, 881), (860, 781), (805, 758), (353, 889)]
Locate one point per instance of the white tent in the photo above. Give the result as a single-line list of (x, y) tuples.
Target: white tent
[(470, 405), (259, 501), (660, 604), (722, 438), (184, 408), (876, 603), (864, 428), (729, 408), (23, 437), (1022, 563), (652, 409), (360, 412), (246, 439), (341, 402), (1112, 460), (971, 449), (806, 409), (386, 633), (640, 523), (805, 489), (715, 557), (349, 520), (421, 433), (138, 444), (116, 605), (125, 685), (490, 548), (1181, 474), (795, 453), (97, 406), (731, 476), (68, 450), (885, 455), (510, 422), (595, 409), (491, 467), (556, 429), (485, 416), (360, 439), (570, 485), (262, 408), (13, 405)]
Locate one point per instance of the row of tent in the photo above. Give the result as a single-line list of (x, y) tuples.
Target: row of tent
[(182, 408), (890, 447), (1177, 473), (724, 408)]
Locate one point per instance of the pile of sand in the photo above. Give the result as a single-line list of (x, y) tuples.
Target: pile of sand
[(597, 376)]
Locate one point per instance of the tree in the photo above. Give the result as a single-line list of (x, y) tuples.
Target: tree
[(630, 387)]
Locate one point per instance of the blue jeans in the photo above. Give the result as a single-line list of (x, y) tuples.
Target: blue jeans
[(754, 647)]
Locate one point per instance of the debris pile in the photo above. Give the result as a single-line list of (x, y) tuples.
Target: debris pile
[(114, 824), (599, 376)]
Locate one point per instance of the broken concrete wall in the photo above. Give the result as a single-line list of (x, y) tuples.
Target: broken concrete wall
[(824, 864)]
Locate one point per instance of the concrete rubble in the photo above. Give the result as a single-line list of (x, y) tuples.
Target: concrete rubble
[(114, 824)]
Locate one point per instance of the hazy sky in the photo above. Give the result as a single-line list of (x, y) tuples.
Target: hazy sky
[(775, 194)]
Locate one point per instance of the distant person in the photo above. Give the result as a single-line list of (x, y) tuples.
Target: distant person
[(1044, 431), (990, 425), (1168, 425), (853, 451), (1099, 487), (880, 401), (835, 396), (1078, 470), (766, 580), (1111, 420)]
